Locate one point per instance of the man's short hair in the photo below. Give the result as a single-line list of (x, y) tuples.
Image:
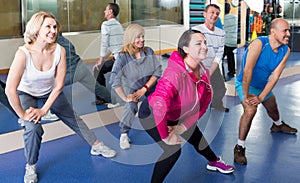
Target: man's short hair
[(212, 5), (115, 8)]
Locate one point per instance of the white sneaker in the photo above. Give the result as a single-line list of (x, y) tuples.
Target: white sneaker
[(124, 141), (21, 122), (30, 174), (110, 105), (50, 117), (101, 149)]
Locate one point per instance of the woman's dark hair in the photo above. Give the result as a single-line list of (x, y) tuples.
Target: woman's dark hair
[(184, 40)]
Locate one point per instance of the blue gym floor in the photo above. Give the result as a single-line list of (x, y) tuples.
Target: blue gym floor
[(272, 157)]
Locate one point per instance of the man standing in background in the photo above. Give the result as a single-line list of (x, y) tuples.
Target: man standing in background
[(215, 39), (111, 43), (230, 27)]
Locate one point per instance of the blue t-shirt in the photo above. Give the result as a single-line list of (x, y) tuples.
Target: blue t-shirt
[(267, 62)]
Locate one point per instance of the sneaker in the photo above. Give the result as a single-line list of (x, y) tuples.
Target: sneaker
[(101, 149), (284, 128), (21, 122), (124, 141), (99, 101), (110, 105), (50, 117), (239, 155), (30, 174), (220, 166)]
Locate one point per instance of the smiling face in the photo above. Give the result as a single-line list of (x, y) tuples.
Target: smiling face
[(212, 15), (107, 12), (197, 48), (48, 30), (281, 31), (139, 41)]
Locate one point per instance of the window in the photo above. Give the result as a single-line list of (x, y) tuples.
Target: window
[(10, 17), (74, 15), (87, 15), (156, 12)]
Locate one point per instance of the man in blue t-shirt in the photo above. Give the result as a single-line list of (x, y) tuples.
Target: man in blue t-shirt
[(262, 65)]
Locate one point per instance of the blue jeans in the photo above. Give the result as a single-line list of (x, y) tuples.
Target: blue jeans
[(33, 132), (129, 111)]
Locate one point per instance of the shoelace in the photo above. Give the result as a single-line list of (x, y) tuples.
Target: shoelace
[(221, 161)]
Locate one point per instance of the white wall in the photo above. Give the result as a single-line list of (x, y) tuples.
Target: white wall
[(88, 44), (8, 48)]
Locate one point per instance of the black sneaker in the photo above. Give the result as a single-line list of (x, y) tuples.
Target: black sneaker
[(99, 101), (239, 155), (284, 128)]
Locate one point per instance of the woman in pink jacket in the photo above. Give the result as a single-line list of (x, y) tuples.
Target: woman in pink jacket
[(181, 97)]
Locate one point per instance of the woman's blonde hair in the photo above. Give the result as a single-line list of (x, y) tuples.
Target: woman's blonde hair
[(34, 25), (131, 33)]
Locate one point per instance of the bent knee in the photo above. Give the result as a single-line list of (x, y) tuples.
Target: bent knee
[(31, 127)]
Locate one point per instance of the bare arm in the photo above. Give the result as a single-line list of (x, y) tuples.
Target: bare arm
[(13, 79), (101, 59), (254, 50)]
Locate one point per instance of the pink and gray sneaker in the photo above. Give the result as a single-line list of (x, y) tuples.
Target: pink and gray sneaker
[(220, 166)]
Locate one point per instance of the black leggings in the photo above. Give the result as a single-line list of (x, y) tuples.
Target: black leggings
[(105, 67), (171, 153)]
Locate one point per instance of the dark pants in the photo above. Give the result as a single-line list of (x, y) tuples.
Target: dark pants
[(171, 153), (228, 51), (4, 100), (82, 75), (219, 88), (104, 68)]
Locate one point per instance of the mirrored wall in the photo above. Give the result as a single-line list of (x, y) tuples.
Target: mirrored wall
[(81, 22), (291, 12), (87, 15)]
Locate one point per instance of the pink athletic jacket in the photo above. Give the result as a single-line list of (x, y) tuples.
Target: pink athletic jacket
[(179, 96)]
